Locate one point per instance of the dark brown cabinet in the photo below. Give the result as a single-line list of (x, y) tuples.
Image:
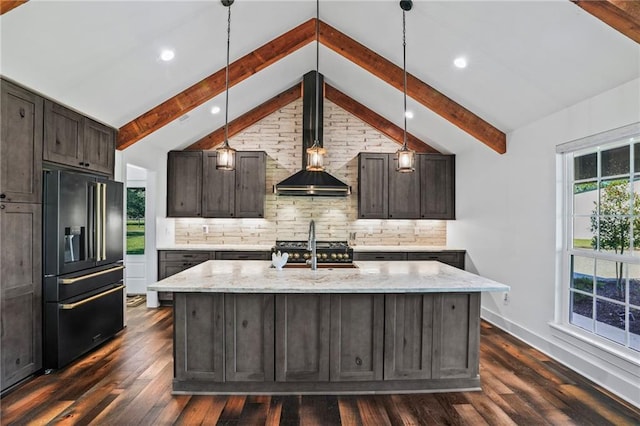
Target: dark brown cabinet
[(437, 186), (199, 190), (302, 337), (73, 140), (198, 352), (20, 291), (184, 184), (21, 145), (454, 258), (404, 192), (408, 336), (249, 337), (20, 234), (357, 333), (427, 193), (171, 262), (373, 179)]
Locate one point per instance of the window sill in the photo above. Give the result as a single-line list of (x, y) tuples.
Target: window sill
[(621, 358)]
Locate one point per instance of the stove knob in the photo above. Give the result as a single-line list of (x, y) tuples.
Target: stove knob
[(318, 255), (306, 255), (334, 256), (346, 255), (339, 255), (324, 255), (296, 255)]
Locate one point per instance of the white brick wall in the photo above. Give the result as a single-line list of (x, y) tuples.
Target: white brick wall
[(287, 218)]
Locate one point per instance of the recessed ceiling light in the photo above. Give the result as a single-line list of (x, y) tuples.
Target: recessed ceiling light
[(215, 109), (167, 55), (460, 62), (409, 114)]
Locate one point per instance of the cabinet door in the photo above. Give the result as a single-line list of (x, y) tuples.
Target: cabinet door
[(379, 255), (373, 186), (408, 336), (249, 345), (63, 135), (20, 291), (437, 186), (99, 147), (302, 337), (184, 184), (218, 188), (250, 184), (20, 145), (404, 192), (357, 333), (456, 335), (198, 349)]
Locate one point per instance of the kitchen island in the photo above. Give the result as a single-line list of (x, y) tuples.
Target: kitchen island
[(376, 327)]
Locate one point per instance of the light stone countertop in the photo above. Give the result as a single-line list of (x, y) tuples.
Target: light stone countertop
[(257, 276)]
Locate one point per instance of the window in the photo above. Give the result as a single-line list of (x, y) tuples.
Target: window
[(135, 220), (602, 182)]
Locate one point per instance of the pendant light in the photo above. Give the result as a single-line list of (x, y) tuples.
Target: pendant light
[(315, 153), (406, 157), (226, 158)]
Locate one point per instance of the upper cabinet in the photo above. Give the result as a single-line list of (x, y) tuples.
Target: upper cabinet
[(200, 190), (20, 145), (74, 140), (427, 193)]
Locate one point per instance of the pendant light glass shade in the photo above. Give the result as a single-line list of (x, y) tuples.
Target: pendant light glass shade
[(315, 157), (226, 156), (406, 158)]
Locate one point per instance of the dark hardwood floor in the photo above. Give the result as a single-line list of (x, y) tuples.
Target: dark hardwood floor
[(128, 382)]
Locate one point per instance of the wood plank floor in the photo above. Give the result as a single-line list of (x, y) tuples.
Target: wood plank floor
[(128, 382)]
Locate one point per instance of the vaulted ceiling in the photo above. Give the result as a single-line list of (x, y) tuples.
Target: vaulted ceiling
[(527, 59)]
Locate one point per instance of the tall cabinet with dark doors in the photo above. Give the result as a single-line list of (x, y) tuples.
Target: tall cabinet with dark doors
[(20, 234)]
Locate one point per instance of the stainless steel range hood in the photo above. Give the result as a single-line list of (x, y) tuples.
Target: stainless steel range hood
[(304, 182)]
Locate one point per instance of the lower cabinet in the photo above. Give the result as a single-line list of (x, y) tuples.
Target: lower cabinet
[(357, 333), (249, 342), (237, 342)]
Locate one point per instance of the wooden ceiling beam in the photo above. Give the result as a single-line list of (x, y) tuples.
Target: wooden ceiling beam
[(7, 5), (213, 85), (258, 113), (622, 15), (416, 89), (375, 120)]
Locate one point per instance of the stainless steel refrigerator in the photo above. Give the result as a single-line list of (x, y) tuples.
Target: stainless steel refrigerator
[(83, 264)]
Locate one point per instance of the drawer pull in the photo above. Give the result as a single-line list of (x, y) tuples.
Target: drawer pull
[(84, 277), (69, 306)]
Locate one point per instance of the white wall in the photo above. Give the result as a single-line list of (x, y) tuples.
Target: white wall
[(506, 219)]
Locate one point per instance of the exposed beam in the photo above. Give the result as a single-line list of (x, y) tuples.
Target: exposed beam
[(418, 90), (623, 15), (258, 113), (290, 42), (7, 5), (213, 85), (375, 120)]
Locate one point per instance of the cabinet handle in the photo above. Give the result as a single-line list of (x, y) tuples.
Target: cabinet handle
[(1, 206), (87, 164), (3, 196), (22, 113), (81, 163), (358, 360)]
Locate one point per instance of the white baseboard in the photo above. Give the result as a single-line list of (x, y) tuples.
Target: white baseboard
[(619, 377)]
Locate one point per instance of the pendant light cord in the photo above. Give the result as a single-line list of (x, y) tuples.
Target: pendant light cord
[(317, 69), (404, 68), (226, 109)]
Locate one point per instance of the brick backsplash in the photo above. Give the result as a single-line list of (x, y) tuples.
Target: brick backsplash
[(287, 218)]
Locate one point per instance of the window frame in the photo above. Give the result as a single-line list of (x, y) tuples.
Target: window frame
[(627, 135)]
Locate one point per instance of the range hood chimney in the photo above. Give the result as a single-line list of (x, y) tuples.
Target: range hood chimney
[(304, 182)]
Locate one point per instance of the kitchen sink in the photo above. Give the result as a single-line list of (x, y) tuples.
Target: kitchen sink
[(322, 266)]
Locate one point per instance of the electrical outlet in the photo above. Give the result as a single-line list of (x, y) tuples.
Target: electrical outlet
[(505, 299), (205, 229)]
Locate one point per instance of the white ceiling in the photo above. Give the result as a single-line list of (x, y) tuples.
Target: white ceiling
[(527, 59)]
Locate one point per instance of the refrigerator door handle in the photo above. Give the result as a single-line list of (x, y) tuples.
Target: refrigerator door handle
[(104, 221), (84, 277)]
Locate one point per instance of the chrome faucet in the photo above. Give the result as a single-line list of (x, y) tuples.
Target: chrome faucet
[(312, 245)]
